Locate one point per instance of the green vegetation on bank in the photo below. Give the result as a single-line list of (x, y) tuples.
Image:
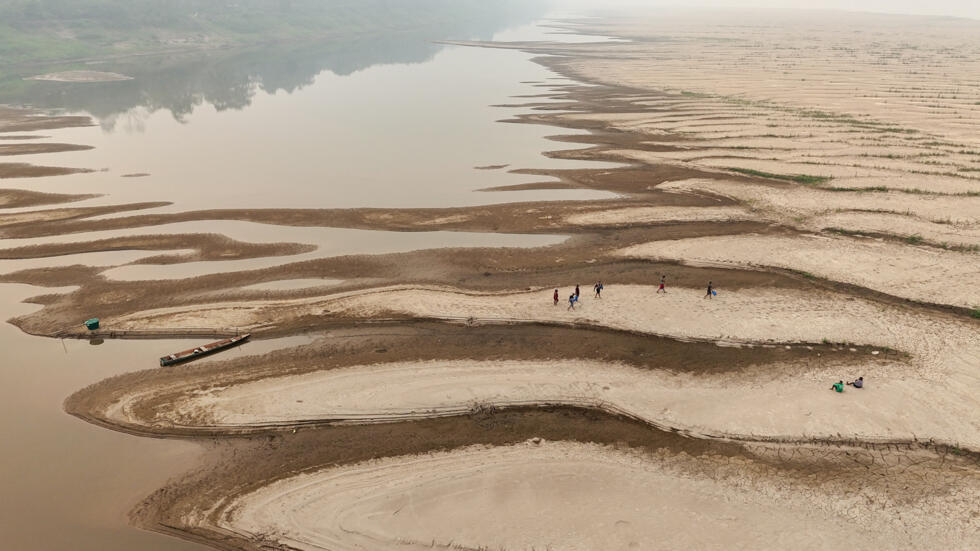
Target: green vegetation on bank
[(910, 191), (868, 189), (805, 179), (34, 31), (914, 239)]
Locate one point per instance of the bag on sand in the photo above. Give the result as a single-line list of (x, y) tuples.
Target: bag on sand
[(714, 293)]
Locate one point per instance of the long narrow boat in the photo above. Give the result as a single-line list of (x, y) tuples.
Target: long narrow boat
[(203, 350)]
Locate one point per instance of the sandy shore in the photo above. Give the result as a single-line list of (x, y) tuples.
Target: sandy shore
[(17, 198), (918, 273), (902, 403), (207, 246), (36, 148), (723, 406), (24, 170), (794, 203), (609, 499), (647, 215), (829, 192), (749, 316)]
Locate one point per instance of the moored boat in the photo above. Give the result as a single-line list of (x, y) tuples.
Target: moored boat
[(203, 350)]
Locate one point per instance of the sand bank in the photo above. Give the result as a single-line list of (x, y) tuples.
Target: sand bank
[(894, 406), (942, 233), (207, 247), (790, 203), (940, 371), (597, 497), (720, 145), (18, 198), (745, 315), (36, 148), (24, 170), (647, 215), (917, 273)]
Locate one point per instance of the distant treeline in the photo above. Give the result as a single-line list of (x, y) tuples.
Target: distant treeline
[(48, 30)]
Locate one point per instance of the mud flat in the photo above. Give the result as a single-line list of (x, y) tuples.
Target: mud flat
[(207, 246), (36, 148), (16, 198), (25, 120), (24, 170), (832, 202)]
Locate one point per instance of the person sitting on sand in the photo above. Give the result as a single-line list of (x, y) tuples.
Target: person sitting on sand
[(859, 383), (838, 386), (556, 297), (663, 281), (572, 299)]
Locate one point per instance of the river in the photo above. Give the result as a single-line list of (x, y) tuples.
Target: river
[(393, 122)]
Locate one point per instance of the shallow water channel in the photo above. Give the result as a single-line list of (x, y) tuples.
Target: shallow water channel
[(377, 133), (68, 484)]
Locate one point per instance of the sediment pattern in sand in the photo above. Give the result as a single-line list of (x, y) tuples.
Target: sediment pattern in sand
[(919, 273), (608, 499), (928, 395), (825, 180), (895, 406)]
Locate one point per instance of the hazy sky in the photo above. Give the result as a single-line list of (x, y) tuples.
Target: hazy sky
[(959, 8)]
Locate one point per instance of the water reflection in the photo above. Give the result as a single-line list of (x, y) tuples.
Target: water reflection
[(392, 135), (230, 79)]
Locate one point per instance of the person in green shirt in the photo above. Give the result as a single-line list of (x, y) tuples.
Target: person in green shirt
[(838, 386)]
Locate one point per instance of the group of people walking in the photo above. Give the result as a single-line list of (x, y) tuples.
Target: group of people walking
[(597, 288), (573, 298), (663, 288)]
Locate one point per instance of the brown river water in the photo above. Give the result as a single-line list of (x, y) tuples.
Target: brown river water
[(344, 133)]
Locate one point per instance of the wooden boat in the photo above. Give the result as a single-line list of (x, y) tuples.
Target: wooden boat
[(203, 350)]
